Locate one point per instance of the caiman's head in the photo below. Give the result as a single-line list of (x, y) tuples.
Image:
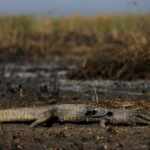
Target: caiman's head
[(81, 112), (93, 114)]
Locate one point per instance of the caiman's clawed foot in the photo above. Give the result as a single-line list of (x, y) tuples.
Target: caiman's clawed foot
[(142, 117)]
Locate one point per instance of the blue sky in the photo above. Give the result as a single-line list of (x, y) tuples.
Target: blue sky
[(67, 7)]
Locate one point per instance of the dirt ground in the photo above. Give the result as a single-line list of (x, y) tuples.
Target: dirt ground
[(28, 85), (74, 137)]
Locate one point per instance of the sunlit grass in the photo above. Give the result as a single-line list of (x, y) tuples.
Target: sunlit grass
[(47, 34), (103, 40)]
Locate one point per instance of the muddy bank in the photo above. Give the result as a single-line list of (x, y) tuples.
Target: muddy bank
[(74, 137), (46, 84)]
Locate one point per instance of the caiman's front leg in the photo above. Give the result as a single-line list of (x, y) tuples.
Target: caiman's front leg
[(141, 117)]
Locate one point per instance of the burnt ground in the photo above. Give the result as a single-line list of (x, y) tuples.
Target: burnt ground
[(42, 84)]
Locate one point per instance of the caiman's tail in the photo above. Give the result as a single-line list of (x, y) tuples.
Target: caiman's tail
[(19, 114)]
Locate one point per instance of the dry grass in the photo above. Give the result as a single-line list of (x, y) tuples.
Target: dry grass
[(117, 46)]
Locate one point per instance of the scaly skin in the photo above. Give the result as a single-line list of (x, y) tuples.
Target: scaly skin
[(75, 113), (21, 114)]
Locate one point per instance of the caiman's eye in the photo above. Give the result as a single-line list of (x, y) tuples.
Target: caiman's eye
[(90, 112), (109, 114)]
